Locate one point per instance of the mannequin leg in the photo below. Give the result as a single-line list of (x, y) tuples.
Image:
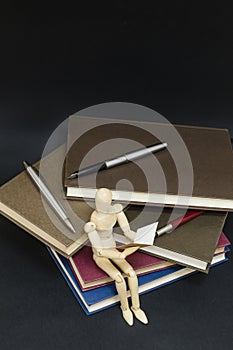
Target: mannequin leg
[(133, 286), (106, 265)]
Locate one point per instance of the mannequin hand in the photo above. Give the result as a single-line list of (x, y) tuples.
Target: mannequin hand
[(130, 235)]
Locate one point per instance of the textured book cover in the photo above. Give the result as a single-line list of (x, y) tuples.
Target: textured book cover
[(192, 244), (209, 150), (21, 202), (95, 300), (90, 276)]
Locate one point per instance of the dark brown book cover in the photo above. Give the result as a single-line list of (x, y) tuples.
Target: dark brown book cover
[(192, 244), (196, 170), (21, 202)]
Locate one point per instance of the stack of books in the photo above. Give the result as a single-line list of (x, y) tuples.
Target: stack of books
[(95, 291), (195, 246)]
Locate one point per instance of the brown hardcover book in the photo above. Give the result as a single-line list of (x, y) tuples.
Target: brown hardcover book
[(196, 170), (21, 202), (90, 276), (192, 244)]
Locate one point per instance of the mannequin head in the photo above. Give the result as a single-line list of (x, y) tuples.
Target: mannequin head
[(103, 200)]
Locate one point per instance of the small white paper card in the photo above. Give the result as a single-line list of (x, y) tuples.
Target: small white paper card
[(146, 234)]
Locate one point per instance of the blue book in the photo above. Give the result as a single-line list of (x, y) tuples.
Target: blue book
[(101, 298)]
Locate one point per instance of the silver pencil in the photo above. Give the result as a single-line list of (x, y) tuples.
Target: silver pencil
[(55, 205)]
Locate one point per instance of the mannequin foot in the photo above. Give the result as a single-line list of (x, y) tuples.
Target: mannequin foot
[(140, 314), (128, 316)]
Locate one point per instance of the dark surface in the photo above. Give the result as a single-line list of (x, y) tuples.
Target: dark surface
[(175, 58)]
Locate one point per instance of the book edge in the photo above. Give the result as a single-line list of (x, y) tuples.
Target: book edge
[(158, 199), (185, 271), (40, 234)]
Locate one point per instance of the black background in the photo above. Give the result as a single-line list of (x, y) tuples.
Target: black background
[(175, 57)]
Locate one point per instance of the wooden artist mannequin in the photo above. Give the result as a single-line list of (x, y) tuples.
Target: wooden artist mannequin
[(100, 233)]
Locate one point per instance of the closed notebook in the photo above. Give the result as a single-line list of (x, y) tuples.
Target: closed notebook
[(192, 244), (204, 154), (21, 202), (90, 276), (95, 300)]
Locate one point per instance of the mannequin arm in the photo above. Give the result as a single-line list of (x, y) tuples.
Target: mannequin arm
[(124, 225), (90, 229)]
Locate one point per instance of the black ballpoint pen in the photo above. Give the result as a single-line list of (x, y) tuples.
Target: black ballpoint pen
[(124, 158)]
